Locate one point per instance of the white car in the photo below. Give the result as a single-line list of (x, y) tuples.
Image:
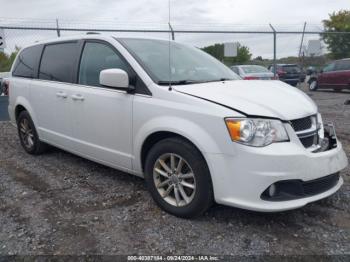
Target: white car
[(253, 72), (195, 131)]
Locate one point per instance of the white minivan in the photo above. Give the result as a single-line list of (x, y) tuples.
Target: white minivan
[(176, 116)]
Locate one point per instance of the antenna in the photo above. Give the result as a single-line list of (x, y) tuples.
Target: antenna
[(169, 46)]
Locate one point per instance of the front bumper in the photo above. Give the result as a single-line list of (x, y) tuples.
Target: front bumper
[(239, 180)]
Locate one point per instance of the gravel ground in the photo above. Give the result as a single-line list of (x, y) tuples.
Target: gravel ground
[(58, 203)]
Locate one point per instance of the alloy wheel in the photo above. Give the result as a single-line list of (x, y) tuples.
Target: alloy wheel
[(313, 85), (27, 134), (174, 179)]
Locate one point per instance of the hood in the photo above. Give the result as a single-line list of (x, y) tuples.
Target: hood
[(255, 97)]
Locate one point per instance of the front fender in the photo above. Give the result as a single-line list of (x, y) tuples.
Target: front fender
[(190, 130)]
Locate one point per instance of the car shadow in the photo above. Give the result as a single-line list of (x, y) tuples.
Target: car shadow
[(333, 91)]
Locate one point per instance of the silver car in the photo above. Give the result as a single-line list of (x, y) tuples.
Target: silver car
[(252, 72)]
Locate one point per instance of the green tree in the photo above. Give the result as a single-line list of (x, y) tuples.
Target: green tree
[(338, 44), (7, 60), (217, 50)]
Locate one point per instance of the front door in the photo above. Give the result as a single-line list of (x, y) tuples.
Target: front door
[(326, 78), (102, 117), (342, 68)]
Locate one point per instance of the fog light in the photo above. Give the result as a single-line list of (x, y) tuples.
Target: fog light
[(272, 190)]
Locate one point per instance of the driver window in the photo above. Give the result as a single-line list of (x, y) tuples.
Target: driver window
[(97, 57)]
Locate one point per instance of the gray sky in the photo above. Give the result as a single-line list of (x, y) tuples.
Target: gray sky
[(220, 14)]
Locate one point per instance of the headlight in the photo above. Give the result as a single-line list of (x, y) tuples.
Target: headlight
[(256, 132)]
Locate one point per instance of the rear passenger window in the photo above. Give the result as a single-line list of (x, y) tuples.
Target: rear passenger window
[(27, 62), (58, 62), (342, 65), (95, 58)]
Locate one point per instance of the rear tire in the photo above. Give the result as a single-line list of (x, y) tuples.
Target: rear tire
[(313, 85), (184, 191), (28, 135)]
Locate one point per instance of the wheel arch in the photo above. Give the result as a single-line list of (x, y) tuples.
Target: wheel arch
[(20, 105), (314, 78), (158, 136), (163, 127), (19, 108)]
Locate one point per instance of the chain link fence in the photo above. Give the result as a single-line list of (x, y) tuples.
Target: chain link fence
[(267, 44)]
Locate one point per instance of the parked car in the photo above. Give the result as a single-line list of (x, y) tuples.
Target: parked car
[(194, 131), (3, 86), (252, 72), (289, 73), (311, 70), (335, 75)]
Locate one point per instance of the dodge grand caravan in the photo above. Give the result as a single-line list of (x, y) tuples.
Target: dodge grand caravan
[(194, 130)]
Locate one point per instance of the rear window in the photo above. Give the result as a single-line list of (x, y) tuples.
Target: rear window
[(58, 62), (27, 62), (291, 69), (235, 69)]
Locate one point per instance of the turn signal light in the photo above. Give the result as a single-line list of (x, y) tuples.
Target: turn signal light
[(234, 128)]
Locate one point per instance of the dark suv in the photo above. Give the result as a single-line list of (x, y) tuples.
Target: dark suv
[(289, 73), (335, 75)]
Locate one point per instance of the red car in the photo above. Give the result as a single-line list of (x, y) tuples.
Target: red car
[(335, 75)]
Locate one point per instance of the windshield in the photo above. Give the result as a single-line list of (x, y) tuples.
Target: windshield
[(254, 69), (188, 64), (291, 68)]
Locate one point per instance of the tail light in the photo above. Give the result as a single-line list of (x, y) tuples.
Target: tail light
[(281, 72), (250, 78), (6, 86)]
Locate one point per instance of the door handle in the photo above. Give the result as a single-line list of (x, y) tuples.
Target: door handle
[(78, 97), (61, 94)]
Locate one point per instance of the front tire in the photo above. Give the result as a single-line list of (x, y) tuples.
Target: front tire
[(313, 85), (28, 135), (178, 178)]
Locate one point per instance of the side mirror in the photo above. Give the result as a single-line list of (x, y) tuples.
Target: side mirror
[(116, 78)]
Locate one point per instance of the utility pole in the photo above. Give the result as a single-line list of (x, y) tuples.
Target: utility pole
[(301, 45), (302, 39), (58, 28), (172, 32), (274, 51)]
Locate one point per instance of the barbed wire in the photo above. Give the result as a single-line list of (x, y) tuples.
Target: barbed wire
[(116, 24)]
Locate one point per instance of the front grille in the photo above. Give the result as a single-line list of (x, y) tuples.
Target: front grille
[(308, 141), (306, 125), (295, 189), (301, 123)]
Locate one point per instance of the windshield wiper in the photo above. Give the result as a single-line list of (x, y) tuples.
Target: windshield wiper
[(219, 80), (178, 82)]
